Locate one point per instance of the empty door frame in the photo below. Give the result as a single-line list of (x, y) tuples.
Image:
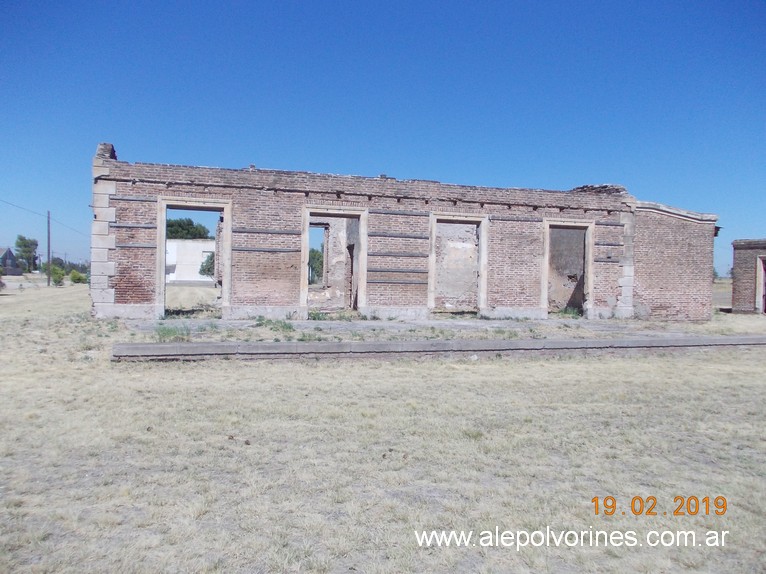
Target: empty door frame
[(760, 277), (344, 212), (222, 206), (587, 264), (482, 223)]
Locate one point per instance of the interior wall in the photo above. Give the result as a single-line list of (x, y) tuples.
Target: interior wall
[(457, 266), (341, 260), (566, 269), (352, 271)]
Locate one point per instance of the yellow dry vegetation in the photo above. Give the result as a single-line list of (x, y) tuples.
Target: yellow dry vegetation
[(231, 466)]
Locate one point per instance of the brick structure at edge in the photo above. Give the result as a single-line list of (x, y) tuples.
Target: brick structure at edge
[(645, 259)]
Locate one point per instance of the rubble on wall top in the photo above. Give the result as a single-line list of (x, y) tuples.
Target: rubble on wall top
[(106, 151), (602, 188), (303, 181)]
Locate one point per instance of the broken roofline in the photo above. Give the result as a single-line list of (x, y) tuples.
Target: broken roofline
[(242, 178)]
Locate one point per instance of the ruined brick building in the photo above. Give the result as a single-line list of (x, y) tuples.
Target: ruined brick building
[(401, 249), (749, 276)]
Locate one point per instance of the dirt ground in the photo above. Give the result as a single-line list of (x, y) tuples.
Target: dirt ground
[(722, 293), (192, 297), (233, 466)]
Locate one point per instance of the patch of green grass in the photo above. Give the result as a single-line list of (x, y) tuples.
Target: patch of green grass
[(309, 337), (172, 334), (570, 313), (278, 325)]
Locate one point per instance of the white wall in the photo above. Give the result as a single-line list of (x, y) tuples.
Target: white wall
[(183, 258)]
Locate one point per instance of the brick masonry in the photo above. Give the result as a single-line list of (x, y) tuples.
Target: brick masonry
[(641, 258), (748, 276)]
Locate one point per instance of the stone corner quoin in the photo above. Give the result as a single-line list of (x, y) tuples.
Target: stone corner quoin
[(398, 248)]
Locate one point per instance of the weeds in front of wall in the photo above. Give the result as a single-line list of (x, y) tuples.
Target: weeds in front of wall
[(505, 334), (172, 334), (440, 334), (279, 325), (209, 326), (202, 311), (305, 337), (570, 313), (535, 334)]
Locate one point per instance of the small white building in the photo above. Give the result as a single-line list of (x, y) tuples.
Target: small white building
[(183, 258)]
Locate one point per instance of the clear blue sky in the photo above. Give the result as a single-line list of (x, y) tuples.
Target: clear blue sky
[(666, 98)]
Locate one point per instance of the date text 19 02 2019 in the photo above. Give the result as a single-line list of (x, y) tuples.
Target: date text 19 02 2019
[(647, 506)]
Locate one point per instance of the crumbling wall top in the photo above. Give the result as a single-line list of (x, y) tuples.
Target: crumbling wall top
[(106, 151), (606, 188)]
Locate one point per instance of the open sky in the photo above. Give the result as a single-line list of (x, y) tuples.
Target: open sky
[(665, 98)]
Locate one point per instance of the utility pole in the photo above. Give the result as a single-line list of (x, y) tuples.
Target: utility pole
[(49, 248)]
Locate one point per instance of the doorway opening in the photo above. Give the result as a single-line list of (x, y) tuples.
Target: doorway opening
[(333, 274), (456, 252), (192, 268), (567, 270), (760, 284)]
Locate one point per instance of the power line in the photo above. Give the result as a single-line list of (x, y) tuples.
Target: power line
[(22, 208), (61, 223)]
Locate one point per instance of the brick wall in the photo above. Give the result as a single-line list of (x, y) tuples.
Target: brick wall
[(673, 256), (268, 214), (747, 257)]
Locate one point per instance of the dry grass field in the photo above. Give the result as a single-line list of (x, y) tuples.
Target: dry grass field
[(229, 466)]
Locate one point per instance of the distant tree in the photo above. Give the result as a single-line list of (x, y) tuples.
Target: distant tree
[(57, 275), (715, 274), (316, 264), (208, 265), (185, 228), (77, 277), (730, 273), (26, 252)]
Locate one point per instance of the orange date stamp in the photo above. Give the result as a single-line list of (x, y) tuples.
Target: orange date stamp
[(647, 506)]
